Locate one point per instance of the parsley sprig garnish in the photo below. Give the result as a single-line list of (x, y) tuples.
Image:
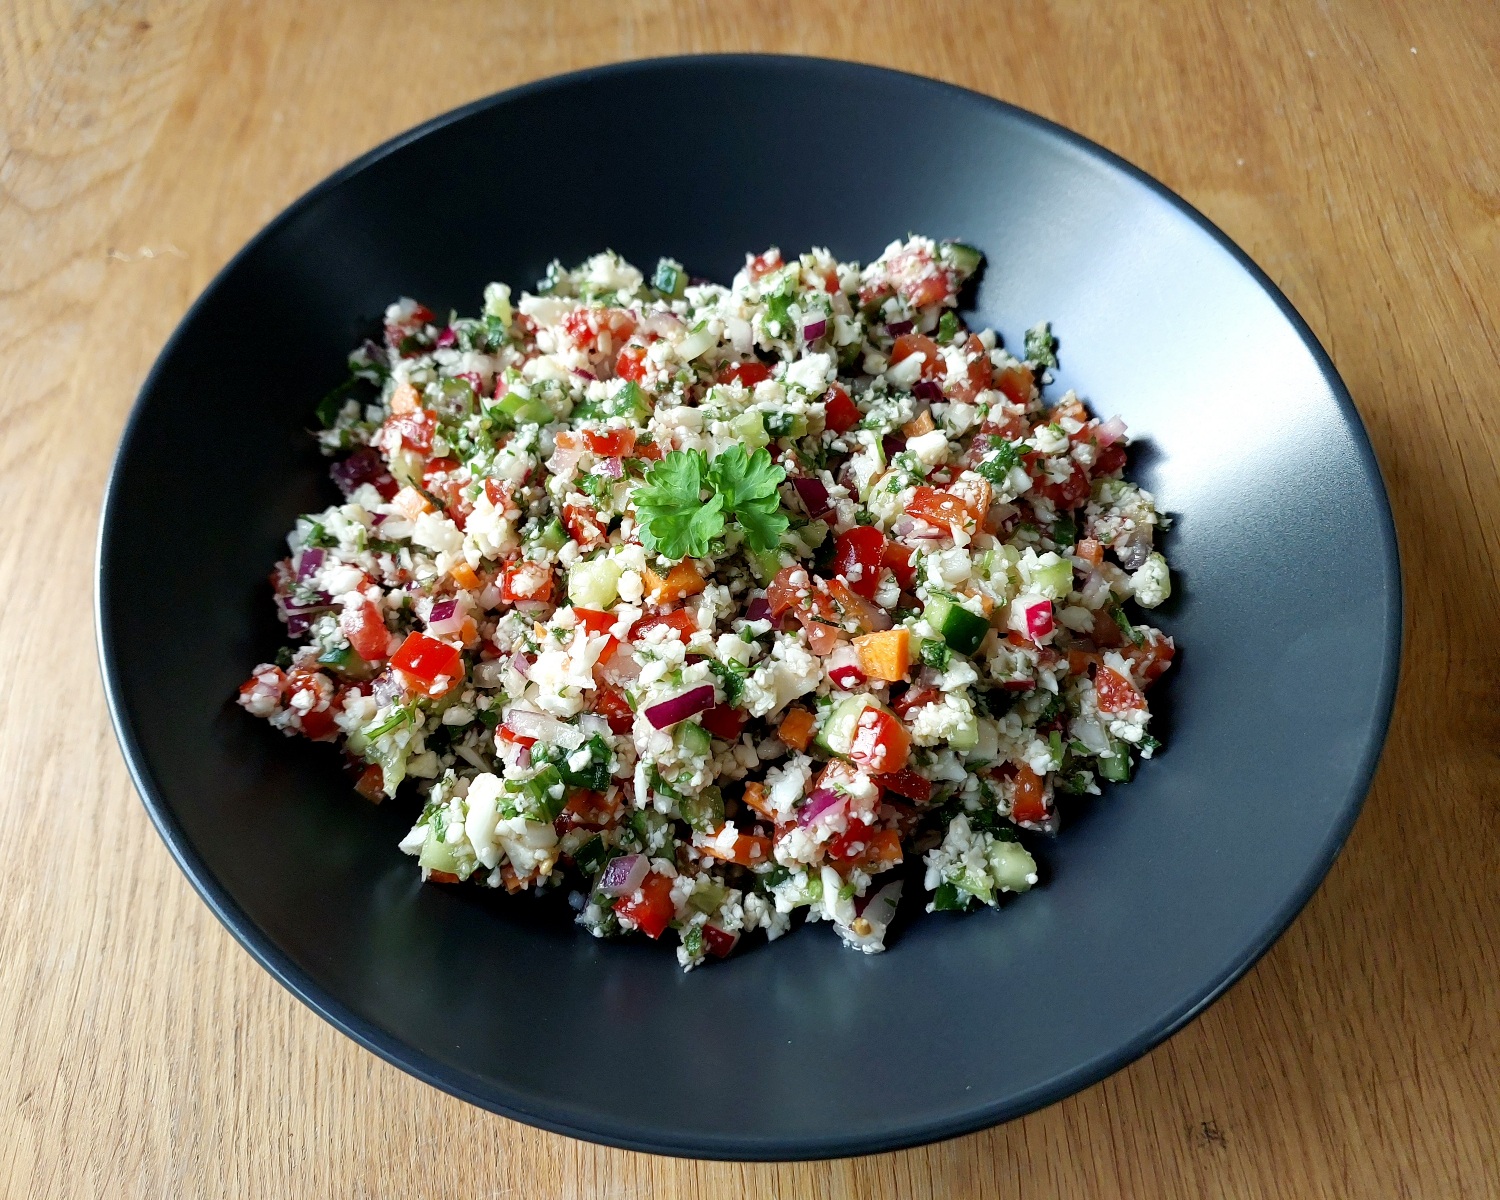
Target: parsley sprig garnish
[(678, 521)]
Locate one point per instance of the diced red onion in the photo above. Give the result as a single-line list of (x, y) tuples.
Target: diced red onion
[(523, 757), (680, 708), (378, 519), (759, 609), (893, 444), (814, 494), (817, 804), (813, 330), (897, 328), (533, 608), (528, 723), (520, 664), (444, 618), (1110, 432), (623, 667), (613, 467), (309, 563), (1133, 554), (582, 374), (297, 624), (926, 389), (623, 875), (448, 337), (387, 689), (363, 466)]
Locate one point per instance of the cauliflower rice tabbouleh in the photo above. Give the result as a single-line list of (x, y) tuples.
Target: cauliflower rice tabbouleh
[(712, 604)]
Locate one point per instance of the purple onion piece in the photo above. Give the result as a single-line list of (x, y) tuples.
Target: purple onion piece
[(613, 467), (680, 708), (814, 495), (897, 328), (363, 466), (759, 610), (309, 563), (448, 337), (443, 610), (925, 389), (621, 876), (892, 444), (520, 664), (582, 374), (813, 330), (818, 803)]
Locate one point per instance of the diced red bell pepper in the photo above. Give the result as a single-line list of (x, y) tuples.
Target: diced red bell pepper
[(881, 745), (424, 661), (940, 509), (907, 783), (840, 412), (594, 621), (522, 580), (611, 704), (631, 363), (318, 723), (901, 561), (650, 906), (610, 443), (724, 721), (857, 556), (747, 374), (678, 620), (363, 625), (719, 942), (1030, 802)]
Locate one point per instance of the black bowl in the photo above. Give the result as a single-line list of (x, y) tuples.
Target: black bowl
[(1157, 897)]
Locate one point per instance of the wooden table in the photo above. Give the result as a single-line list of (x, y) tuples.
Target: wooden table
[(1352, 148)]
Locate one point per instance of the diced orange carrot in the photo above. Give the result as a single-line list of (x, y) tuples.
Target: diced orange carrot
[(750, 850), (796, 728), (405, 399), (1091, 550), (410, 503), (464, 576), (755, 797), (885, 655), (468, 633), (510, 879), (441, 877), (371, 785), (682, 581), (918, 425)]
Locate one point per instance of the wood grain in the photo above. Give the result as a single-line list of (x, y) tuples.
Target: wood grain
[(1350, 147)]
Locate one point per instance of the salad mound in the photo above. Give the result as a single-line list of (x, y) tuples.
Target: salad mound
[(716, 605)]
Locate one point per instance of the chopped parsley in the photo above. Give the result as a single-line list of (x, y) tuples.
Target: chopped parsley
[(677, 521), (1041, 346)]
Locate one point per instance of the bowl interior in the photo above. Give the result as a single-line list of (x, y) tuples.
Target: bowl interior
[(1157, 895)]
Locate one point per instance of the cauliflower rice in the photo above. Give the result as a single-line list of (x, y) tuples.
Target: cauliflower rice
[(716, 605)]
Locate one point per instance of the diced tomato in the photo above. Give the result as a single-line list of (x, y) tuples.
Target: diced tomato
[(678, 620), (899, 559), (318, 723), (510, 735), (522, 580), (631, 363), (877, 850), (598, 328), (822, 636), (415, 429), (783, 595), (650, 452), (851, 843), (857, 556), (914, 698), (499, 494), (587, 809), (1030, 802), (1110, 460), (650, 906), (1071, 492), (450, 877), (1107, 632), (907, 783), (1153, 658), (719, 942), (593, 621), (1016, 382), (880, 743), (724, 721), (611, 704), (940, 509), (840, 412), (764, 264), (746, 374), (977, 375), (930, 289), (583, 525), (610, 443), (371, 784), (1116, 693), (362, 624), (438, 466), (424, 661), (909, 344), (1079, 661)]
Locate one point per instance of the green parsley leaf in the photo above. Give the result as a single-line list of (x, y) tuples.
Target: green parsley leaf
[(947, 328), (1129, 630), (936, 654), (674, 519), (998, 466), (1041, 346), (748, 486)]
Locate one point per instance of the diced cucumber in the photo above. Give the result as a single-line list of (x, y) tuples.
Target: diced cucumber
[(594, 583), (960, 628), (669, 279), (1011, 866), (765, 565), (553, 536), (693, 738), (437, 855), (960, 256), (749, 430), (708, 896), (1051, 576), (792, 425), (523, 409), (705, 811), (866, 466), (965, 735), (1116, 768), (497, 303), (836, 735)]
